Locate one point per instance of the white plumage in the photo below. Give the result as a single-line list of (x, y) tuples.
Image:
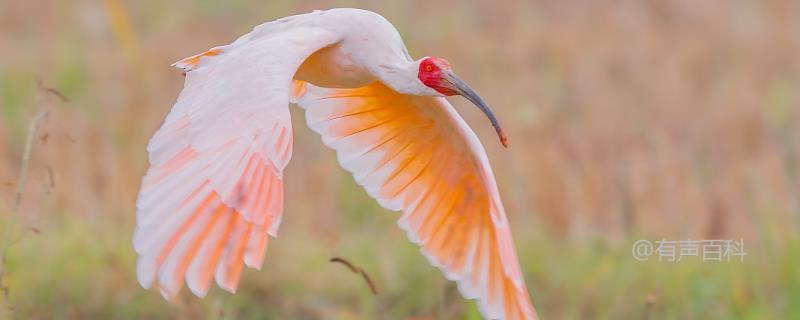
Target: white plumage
[(214, 191)]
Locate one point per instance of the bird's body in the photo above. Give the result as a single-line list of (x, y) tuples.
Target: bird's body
[(214, 191), (354, 61)]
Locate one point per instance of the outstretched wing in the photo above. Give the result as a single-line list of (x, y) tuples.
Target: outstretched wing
[(214, 189), (417, 155)]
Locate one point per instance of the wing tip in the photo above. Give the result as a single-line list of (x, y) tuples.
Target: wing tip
[(231, 286), (143, 275), (191, 63)]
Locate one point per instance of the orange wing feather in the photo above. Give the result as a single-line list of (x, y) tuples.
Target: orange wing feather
[(214, 191), (415, 154), (215, 234)]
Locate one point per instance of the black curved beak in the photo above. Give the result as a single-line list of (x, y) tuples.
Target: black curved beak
[(462, 88)]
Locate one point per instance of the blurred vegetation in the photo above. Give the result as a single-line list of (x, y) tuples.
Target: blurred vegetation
[(628, 120)]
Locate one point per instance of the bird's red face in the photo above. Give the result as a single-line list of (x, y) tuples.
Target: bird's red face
[(432, 74), (436, 74)]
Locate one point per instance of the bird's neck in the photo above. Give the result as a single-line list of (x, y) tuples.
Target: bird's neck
[(402, 76)]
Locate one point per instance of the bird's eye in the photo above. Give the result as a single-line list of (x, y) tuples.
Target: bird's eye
[(429, 68)]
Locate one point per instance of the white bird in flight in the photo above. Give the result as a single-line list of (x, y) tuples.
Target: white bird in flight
[(214, 191)]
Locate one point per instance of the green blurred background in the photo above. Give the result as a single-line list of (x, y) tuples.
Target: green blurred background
[(628, 120)]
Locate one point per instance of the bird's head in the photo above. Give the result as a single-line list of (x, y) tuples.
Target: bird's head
[(436, 73), (433, 73)]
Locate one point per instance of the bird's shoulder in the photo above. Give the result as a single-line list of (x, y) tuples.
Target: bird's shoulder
[(342, 21)]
